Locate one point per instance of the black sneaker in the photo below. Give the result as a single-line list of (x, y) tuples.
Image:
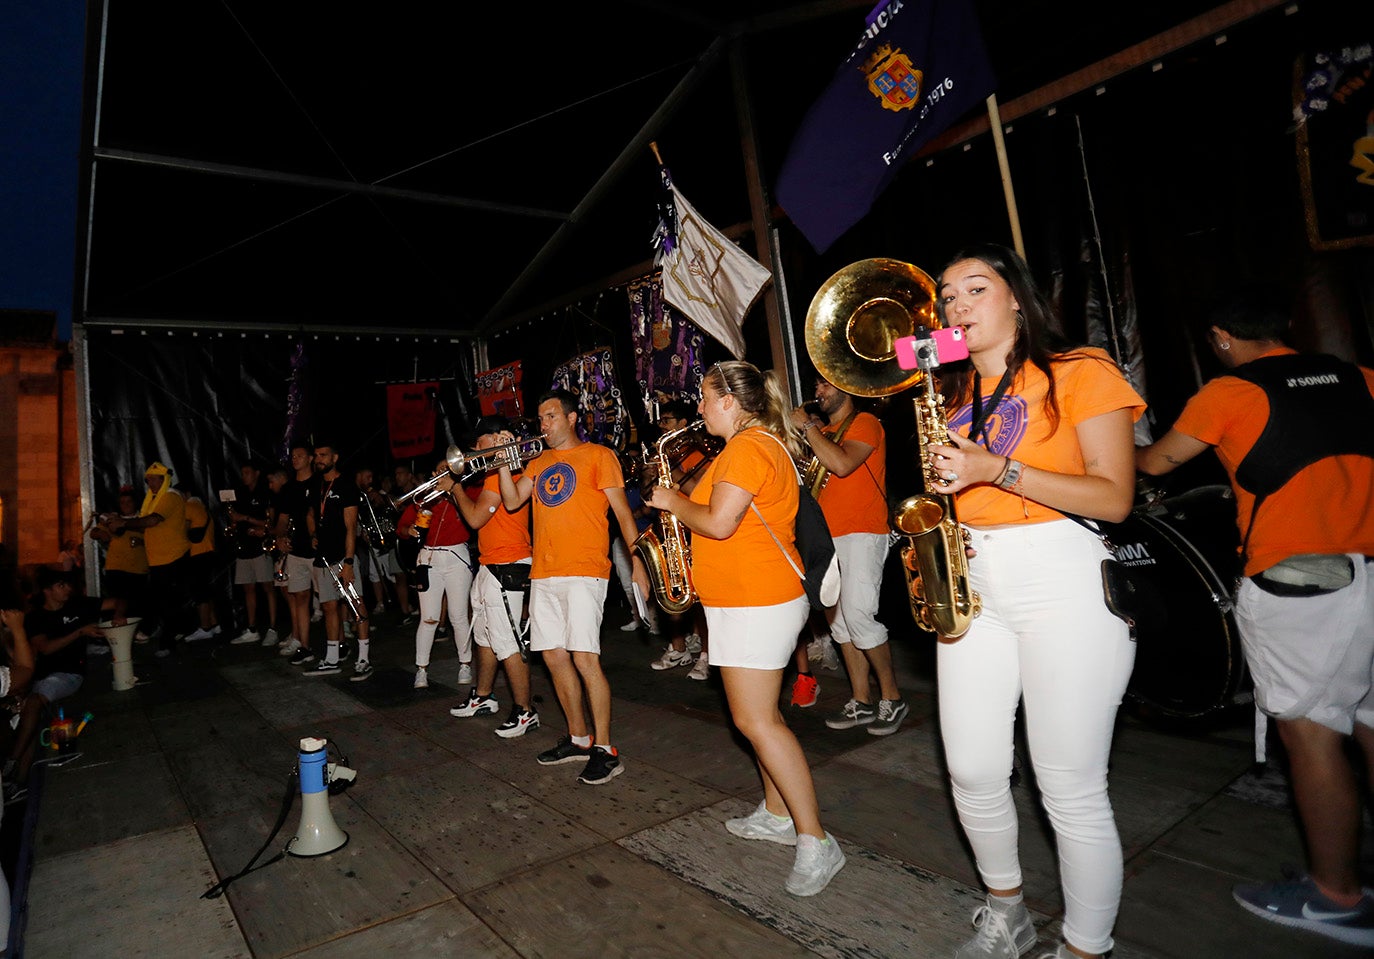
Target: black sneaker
[(564, 751), (519, 722), (602, 766), (302, 657)]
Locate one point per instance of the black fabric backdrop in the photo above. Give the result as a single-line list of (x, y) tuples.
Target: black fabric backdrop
[(205, 403)]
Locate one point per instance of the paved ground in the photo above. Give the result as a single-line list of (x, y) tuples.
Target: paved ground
[(460, 844)]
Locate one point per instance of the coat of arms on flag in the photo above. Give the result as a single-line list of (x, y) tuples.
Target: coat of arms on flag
[(893, 78)]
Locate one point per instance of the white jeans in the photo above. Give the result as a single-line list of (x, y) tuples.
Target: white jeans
[(852, 619), (1045, 635), (449, 575)]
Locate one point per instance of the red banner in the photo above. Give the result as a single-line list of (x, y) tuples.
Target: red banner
[(410, 418), (498, 390)]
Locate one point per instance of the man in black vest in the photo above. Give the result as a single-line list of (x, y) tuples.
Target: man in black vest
[(1292, 431)]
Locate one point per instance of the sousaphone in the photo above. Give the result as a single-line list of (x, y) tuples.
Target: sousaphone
[(856, 317)]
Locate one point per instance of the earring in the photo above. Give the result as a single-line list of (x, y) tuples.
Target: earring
[(1020, 320), (1226, 345)]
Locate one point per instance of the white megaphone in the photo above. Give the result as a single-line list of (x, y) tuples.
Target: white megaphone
[(317, 834), (121, 640)]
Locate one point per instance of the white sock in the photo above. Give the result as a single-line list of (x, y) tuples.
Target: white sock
[(331, 654), (583, 741), (1005, 904), (363, 644)]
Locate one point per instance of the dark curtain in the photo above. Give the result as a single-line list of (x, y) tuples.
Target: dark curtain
[(205, 403)]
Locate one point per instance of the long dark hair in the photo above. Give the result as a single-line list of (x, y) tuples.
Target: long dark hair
[(1040, 338)]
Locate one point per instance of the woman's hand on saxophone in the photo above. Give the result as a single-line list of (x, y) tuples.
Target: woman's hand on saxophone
[(961, 464), (666, 497)]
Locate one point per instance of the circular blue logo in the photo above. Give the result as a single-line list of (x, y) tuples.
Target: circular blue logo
[(556, 484)]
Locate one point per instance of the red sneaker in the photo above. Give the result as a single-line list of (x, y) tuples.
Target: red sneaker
[(805, 691)]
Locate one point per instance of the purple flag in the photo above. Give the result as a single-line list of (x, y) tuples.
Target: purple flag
[(919, 66)]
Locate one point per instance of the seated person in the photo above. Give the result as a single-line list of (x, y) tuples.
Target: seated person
[(57, 628), (14, 679)]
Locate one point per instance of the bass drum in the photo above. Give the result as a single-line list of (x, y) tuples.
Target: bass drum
[(1188, 655)]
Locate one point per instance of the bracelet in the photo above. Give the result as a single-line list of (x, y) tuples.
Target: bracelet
[(1011, 476), (1006, 465)]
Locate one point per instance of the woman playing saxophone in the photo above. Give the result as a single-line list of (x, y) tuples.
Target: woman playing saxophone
[(1037, 429), (743, 515)]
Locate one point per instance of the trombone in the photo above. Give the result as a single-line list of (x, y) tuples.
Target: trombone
[(462, 466)]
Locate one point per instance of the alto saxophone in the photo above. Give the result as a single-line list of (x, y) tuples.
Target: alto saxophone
[(668, 556), (935, 557)]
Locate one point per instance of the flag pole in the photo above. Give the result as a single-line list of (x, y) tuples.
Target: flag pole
[(995, 122)]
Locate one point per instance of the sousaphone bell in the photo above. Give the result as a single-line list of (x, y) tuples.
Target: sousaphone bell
[(858, 315)]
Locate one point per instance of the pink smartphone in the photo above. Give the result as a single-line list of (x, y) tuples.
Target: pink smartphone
[(928, 352)]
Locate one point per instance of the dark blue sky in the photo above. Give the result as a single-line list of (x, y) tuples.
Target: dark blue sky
[(40, 140)]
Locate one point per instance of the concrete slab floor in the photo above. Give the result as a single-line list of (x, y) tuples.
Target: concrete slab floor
[(459, 843)]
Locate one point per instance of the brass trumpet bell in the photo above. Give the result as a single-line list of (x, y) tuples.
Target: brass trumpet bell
[(856, 317)]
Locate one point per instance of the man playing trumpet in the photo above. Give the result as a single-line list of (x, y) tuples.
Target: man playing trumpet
[(852, 446), (572, 483)]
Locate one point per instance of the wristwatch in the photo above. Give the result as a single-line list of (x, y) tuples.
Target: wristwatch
[(348, 560)]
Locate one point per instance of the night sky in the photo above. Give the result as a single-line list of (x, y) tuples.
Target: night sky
[(40, 140)]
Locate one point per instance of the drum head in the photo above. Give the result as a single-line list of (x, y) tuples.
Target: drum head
[(1188, 659)]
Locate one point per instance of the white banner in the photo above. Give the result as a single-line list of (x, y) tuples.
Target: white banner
[(710, 279)]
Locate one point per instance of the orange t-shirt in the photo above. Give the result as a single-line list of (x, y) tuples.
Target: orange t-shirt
[(1328, 507), (571, 535), (506, 536), (857, 503), (1087, 384), (747, 568)]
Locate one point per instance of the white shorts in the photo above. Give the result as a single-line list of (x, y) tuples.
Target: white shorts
[(565, 613), (491, 620), (1312, 657), (755, 637), (299, 575), (258, 569), (854, 618)]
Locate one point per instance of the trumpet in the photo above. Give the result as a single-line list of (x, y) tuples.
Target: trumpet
[(463, 466), (348, 591)]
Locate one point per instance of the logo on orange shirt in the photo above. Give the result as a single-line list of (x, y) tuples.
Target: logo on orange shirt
[(1006, 425), (556, 484)]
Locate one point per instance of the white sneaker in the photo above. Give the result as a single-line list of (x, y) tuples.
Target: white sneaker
[(290, 647), (1004, 932), (270, 638), (245, 637), (362, 669), (200, 635), (348, 630), (323, 669), (464, 674), (421, 678), (215, 630), (762, 824), (694, 643), (701, 670), (316, 616), (816, 864), (379, 609), (671, 658), (631, 626)]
